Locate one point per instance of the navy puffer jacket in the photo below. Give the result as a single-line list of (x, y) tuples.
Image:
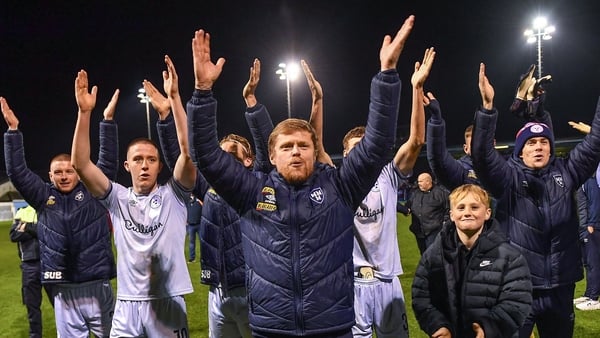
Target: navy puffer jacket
[(74, 229), (298, 245), (537, 208)]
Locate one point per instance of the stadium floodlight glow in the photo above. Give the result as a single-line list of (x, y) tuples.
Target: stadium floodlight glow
[(541, 31), (144, 98), (288, 72)]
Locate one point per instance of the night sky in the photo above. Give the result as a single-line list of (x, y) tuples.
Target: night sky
[(42, 47)]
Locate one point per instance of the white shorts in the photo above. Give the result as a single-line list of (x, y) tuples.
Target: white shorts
[(228, 313), (81, 308), (165, 317), (379, 305)]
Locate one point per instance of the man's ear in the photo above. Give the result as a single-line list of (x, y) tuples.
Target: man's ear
[(247, 162), (488, 214), (465, 148), (126, 165), (50, 176), (271, 159)]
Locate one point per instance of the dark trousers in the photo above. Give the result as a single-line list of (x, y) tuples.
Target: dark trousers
[(424, 242), (193, 232), (31, 292), (552, 313), (591, 252)]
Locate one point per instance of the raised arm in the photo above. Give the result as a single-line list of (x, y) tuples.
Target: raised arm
[(184, 171), (407, 154), (93, 178), (316, 113), (364, 163), (489, 165), (258, 120), (167, 133), (108, 156)]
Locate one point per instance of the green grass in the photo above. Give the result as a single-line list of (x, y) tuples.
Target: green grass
[(13, 318)]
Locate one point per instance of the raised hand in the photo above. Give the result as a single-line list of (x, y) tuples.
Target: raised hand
[(582, 127), (314, 85), (9, 116), (422, 69), (159, 102), (485, 89), (250, 87), (170, 79), (109, 111), (205, 72), (391, 49), (86, 100), (526, 81)]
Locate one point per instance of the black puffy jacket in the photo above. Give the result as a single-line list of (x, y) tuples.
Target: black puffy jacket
[(495, 290)]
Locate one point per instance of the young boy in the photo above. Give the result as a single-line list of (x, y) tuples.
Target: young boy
[(471, 282)]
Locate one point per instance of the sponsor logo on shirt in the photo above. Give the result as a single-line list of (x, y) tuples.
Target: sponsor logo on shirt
[(269, 202), (141, 228), (364, 211)]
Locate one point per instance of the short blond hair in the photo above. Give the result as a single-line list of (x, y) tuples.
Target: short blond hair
[(469, 189)]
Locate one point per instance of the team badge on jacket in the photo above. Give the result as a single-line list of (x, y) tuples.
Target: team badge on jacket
[(559, 180), (317, 195), (269, 202), (79, 196)]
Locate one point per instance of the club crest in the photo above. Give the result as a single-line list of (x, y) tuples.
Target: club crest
[(559, 180), (317, 195)]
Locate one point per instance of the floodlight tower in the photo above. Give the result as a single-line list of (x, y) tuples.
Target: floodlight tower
[(540, 31)]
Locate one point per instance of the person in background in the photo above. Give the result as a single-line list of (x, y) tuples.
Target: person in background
[(471, 282), (428, 206), (194, 215), (23, 231)]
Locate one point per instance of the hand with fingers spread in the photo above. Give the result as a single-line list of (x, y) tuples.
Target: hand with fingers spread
[(485, 89), (159, 102), (422, 69), (9, 116), (86, 100), (392, 48), (109, 111), (250, 88), (205, 72)]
